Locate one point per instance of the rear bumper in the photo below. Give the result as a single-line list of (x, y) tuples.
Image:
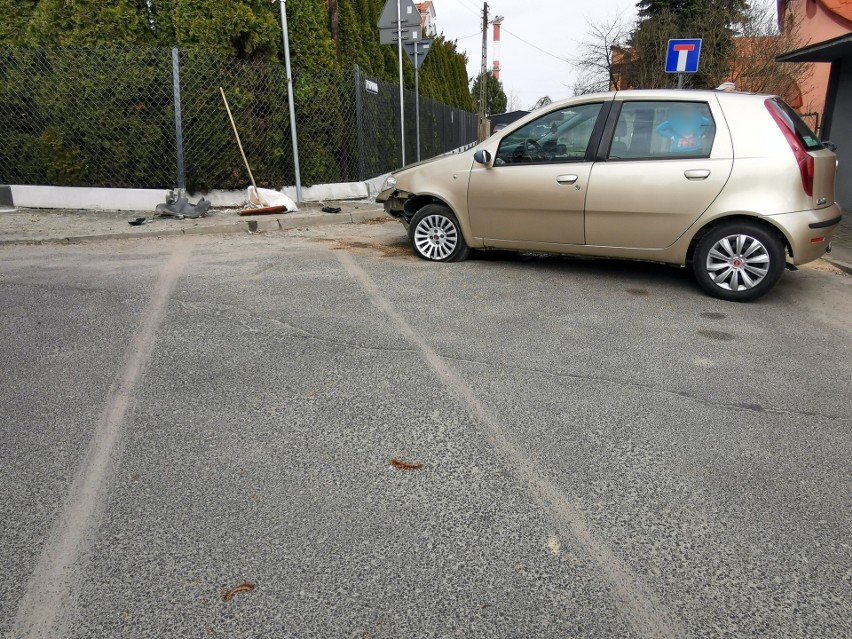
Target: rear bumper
[(808, 232)]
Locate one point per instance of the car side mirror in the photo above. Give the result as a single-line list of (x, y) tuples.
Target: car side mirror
[(482, 156), (831, 146)]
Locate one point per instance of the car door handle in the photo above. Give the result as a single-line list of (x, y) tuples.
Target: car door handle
[(567, 179), (697, 174)]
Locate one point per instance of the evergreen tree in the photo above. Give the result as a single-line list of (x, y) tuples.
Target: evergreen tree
[(457, 78), (311, 46), (161, 16), (690, 13), (714, 21), (359, 38), (90, 23), (247, 29), (653, 8), (16, 19), (495, 97), (368, 15)]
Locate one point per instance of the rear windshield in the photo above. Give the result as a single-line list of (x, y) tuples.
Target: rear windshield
[(807, 137)]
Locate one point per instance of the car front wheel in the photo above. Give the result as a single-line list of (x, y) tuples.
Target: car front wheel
[(435, 235), (738, 261)]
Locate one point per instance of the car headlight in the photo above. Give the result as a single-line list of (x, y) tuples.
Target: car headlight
[(390, 182)]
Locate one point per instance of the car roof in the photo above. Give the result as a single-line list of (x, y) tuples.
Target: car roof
[(638, 94), (655, 94)]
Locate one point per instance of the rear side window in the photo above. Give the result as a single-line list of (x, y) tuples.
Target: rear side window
[(663, 130), (807, 137)]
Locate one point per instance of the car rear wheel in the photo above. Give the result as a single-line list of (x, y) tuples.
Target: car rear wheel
[(435, 235), (738, 261)]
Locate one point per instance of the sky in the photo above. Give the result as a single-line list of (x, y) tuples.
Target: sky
[(538, 41)]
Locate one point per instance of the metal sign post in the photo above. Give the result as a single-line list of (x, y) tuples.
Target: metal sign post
[(682, 57), (406, 25), (293, 134), (401, 90), (417, 51), (417, 99)]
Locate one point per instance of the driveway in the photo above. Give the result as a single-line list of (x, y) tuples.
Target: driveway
[(315, 434)]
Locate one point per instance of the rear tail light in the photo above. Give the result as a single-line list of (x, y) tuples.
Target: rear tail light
[(803, 158)]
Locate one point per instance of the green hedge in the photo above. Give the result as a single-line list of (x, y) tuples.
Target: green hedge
[(106, 118)]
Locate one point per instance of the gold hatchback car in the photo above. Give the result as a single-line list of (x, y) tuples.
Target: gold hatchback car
[(734, 184)]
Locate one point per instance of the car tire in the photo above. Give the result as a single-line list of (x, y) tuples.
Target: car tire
[(739, 261), (435, 234)]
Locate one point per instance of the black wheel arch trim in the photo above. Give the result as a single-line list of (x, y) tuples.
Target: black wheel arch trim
[(416, 202)]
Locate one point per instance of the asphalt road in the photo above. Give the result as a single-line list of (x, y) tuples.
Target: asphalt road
[(606, 452)]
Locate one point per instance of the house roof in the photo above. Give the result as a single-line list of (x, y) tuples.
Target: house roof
[(843, 8), (425, 6), (828, 51), (840, 8)]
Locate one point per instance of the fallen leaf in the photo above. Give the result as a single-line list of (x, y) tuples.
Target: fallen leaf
[(246, 586), (396, 463)]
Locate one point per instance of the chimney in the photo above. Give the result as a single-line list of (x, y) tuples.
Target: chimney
[(496, 68)]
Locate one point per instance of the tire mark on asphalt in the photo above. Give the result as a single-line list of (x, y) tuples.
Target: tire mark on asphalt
[(641, 607), (44, 606)]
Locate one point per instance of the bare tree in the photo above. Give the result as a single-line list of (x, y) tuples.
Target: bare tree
[(758, 43), (618, 54), (598, 66), (513, 102)]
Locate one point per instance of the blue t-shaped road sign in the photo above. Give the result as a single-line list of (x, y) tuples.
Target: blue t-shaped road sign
[(682, 56)]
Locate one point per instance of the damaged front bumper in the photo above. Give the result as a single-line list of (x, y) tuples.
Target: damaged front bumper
[(394, 201)]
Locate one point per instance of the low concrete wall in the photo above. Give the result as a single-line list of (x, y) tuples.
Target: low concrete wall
[(72, 197), (85, 198), (334, 191), (316, 193)]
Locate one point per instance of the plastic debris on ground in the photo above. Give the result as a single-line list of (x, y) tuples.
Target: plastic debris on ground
[(180, 208), (267, 201)]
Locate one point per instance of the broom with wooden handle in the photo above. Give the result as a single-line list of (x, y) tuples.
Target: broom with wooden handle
[(240, 144)]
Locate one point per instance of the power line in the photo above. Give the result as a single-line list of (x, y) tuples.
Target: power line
[(538, 48), (472, 7)]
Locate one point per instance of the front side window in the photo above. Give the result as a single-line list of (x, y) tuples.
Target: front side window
[(663, 130), (558, 136)]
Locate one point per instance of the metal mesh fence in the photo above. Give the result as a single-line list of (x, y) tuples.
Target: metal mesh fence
[(93, 118), (109, 118), (442, 128)]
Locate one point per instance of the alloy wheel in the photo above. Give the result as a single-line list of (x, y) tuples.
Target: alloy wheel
[(436, 237), (737, 262)]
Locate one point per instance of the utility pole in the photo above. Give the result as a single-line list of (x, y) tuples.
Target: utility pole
[(483, 93)]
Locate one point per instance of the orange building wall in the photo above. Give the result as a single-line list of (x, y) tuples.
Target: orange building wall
[(816, 21)]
